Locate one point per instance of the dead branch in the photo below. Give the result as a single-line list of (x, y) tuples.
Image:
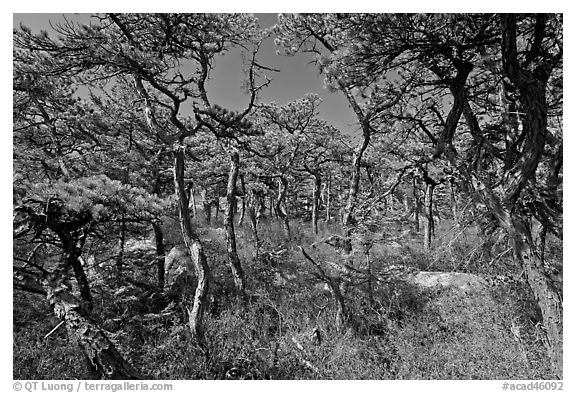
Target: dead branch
[(343, 315)]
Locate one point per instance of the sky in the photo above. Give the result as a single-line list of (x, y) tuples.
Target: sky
[(297, 76)]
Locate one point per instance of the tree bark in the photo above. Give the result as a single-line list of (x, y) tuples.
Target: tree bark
[(315, 201), (234, 260), (429, 203), (195, 249), (207, 212), (532, 87), (542, 237), (160, 254), (216, 202), (243, 205), (416, 205), (81, 279), (344, 317), (72, 252), (273, 211), (102, 354), (281, 209), (255, 205), (406, 202), (120, 257), (328, 198), (207, 207), (191, 198), (531, 79), (354, 185), (454, 201), (242, 211), (549, 300), (542, 286)]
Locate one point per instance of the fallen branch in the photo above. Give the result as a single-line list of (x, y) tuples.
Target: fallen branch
[(343, 315)]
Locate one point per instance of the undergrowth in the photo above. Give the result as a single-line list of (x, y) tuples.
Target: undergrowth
[(287, 329)]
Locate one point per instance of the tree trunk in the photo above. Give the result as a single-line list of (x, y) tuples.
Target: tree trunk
[(195, 249), (315, 201), (416, 205), (235, 265), (454, 201), (160, 254), (531, 81), (207, 212), (267, 205), (72, 252), (429, 203), (344, 317), (542, 237), (252, 203), (120, 257), (207, 207), (354, 185), (242, 211), (216, 203), (550, 304), (243, 205), (191, 198), (328, 196), (542, 286), (159, 235), (82, 280), (99, 350), (281, 209)]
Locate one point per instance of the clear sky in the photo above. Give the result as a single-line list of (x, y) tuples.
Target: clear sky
[(297, 75)]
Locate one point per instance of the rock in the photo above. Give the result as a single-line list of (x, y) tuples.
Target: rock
[(461, 281), (179, 269), (142, 244)]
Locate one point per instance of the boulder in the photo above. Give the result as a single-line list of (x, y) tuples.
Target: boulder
[(464, 282), (179, 271)]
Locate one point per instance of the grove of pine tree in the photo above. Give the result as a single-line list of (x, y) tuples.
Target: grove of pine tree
[(123, 163)]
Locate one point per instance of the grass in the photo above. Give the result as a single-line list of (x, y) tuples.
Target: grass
[(287, 330)]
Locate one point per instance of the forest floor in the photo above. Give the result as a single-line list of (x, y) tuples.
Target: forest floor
[(488, 328)]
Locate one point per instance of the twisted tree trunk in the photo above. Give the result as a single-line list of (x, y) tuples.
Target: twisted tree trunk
[(254, 206), (103, 357), (531, 78), (234, 260), (328, 198), (72, 250), (429, 203), (354, 186), (344, 317), (416, 205), (243, 205), (195, 248), (191, 198), (543, 288), (281, 204)]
